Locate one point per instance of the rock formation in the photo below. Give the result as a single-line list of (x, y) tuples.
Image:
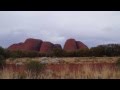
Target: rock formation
[(29, 45), (32, 44), (73, 45), (70, 45), (57, 46), (14, 47), (46, 47), (81, 45)]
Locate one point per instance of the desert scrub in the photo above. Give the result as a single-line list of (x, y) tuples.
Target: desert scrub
[(2, 61), (35, 68), (118, 63)]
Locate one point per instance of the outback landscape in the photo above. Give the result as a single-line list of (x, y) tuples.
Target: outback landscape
[(59, 45), (62, 68), (36, 59)]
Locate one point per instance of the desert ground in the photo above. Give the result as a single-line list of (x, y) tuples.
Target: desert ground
[(62, 68)]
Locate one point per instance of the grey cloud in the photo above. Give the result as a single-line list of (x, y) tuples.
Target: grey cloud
[(90, 27)]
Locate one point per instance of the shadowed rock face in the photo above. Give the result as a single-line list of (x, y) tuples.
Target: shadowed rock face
[(29, 45), (70, 45), (73, 45), (57, 46), (81, 45), (32, 44), (46, 47)]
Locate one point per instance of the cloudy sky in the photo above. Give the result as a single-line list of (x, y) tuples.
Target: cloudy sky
[(90, 27)]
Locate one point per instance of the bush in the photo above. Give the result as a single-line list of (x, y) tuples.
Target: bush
[(118, 63), (21, 54), (35, 67), (2, 61), (57, 52), (2, 51), (2, 57)]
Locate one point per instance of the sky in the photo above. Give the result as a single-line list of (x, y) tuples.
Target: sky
[(90, 27)]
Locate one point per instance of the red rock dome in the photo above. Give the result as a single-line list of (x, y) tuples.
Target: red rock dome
[(70, 45), (32, 44), (73, 45), (81, 45), (58, 46), (46, 47), (29, 45), (15, 47)]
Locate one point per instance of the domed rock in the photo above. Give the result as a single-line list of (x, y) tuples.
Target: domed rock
[(46, 47), (73, 45), (32, 44), (16, 47), (29, 45), (58, 46), (81, 45), (70, 45)]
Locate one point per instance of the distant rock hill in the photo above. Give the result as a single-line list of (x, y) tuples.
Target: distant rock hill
[(47, 47), (31, 44), (73, 45)]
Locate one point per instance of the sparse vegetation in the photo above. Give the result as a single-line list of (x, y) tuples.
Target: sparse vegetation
[(109, 50), (67, 68), (67, 71), (2, 57), (35, 68), (98, 62), (118, 63), (2, 61)]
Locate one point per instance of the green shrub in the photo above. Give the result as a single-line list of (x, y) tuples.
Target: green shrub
[(35, 66), (118, 63), (2, 61), (2, 51), (21, 54), (2, 57), (57, 52)]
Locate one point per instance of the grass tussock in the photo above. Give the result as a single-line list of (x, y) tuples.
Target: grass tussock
[(65, 71), (62, 68)]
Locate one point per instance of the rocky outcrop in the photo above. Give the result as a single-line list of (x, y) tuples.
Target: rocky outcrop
[(46, 47), (14, 47), (32, 44), (57, 46), (81, 45), (29, 45), (70, 45), (73, 45)]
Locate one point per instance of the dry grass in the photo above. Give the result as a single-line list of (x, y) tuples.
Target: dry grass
[(66, 72), (66, 68), (76, 60)]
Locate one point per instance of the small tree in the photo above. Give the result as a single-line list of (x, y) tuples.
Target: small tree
[(2, 61), (2, 57), (2, 51), (58, 52), (118, 63), (35, 68)]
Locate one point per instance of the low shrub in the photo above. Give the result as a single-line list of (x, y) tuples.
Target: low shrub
[(35, 66), (2, 61), (118, 63)]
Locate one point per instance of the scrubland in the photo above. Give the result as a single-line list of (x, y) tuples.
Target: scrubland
[(61, 68)]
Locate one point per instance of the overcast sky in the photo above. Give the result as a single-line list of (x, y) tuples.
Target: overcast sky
[(90, 27)]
